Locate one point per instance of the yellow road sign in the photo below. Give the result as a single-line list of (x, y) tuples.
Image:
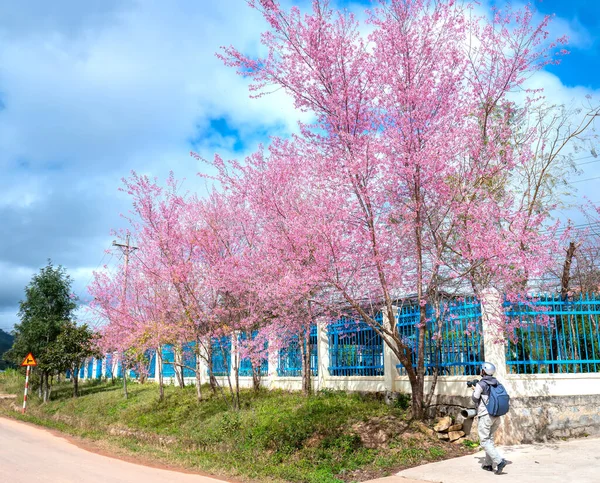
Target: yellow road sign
[(29, 360)]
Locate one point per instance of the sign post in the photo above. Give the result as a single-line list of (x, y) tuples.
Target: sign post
[(28, 362)]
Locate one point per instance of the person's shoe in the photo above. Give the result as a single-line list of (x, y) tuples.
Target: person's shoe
[(487, 468), (500, 467)]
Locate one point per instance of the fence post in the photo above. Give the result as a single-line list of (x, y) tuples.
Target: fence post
[(494, 344), (322, 355), (234, 357), (390, 361), (201, 363), (272, 363), (157, 367)]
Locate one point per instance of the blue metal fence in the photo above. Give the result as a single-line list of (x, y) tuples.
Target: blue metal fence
[(355, 349), (290, 357), (98, 370), (221, 356), (82, 371), (109, 364), (189, 359), (151, 355), (246, 363), (168, 358), (552, 335), (453, 341)]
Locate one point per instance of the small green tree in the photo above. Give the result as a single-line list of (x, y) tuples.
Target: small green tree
[(72, 347), (47, 307)]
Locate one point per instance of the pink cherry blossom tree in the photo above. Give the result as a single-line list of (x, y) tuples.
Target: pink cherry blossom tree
[(410, 150)]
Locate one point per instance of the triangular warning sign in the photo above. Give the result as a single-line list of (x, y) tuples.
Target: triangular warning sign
[(29, 360)]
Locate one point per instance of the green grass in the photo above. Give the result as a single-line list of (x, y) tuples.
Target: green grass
[(275, 436)]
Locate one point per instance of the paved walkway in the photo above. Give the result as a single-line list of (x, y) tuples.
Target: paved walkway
[(29, 454), (575, 461)]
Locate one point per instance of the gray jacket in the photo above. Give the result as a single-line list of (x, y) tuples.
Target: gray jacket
[(481, 394)]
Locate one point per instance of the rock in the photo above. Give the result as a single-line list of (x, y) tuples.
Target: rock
[(374, 440), (458, 441), (455, 427), (422, 427), (443, 436), (454, 435), (443, 424)]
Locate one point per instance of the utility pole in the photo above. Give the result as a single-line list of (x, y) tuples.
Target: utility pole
[(126, 248)]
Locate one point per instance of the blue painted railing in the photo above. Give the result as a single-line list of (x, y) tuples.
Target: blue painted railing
[(98, 370), (290, 357), (221, 356), (189, 359), (109, 364), (355, 349), (453, 342), (151, 356), (246, 363), (168, 358), (552, 335)]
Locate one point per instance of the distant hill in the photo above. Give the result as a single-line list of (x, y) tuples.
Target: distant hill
[(6, 342)]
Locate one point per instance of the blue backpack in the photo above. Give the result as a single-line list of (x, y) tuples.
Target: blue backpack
[(499, 400)]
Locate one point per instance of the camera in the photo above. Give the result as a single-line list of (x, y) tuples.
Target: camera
[(472, 383)]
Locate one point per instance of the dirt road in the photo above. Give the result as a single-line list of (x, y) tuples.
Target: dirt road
[(29, 454)]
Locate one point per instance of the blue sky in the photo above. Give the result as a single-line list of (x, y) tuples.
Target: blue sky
[(91, 90), (581, 67)]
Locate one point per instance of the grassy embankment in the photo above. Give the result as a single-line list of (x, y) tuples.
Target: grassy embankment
[(276, 436)]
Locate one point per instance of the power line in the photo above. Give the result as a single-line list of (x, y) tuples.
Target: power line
[(99, 265), (589, 162), (583, 180)]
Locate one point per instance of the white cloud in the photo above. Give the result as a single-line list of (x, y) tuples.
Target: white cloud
[(92, 90)]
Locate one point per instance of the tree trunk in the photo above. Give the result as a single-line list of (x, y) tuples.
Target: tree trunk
[(419, 388), (49, 381), (236, 375), (161, 385), (124, 370), (564, 293), (211, 376), (178, 367), (306, 369), (439, 319), (75, 383), (45, 386), (198, 373), (256, 377)]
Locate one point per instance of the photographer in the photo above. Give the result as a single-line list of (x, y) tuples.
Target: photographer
[(488, 423)]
